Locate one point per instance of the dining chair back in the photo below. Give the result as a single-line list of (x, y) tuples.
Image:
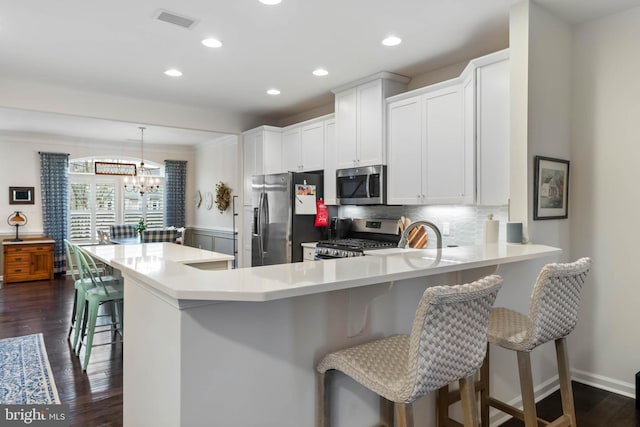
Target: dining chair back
[(122, 231), (149, 236)]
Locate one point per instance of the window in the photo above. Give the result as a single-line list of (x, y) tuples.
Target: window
[(98, 201)]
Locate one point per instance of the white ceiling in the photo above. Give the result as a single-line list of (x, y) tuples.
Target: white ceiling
[(118, 47)]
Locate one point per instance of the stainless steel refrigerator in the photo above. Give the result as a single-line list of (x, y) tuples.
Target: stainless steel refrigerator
[(279, 225)]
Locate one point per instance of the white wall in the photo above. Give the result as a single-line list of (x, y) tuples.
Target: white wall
[(605, 151), (217, 161), (21, 167)]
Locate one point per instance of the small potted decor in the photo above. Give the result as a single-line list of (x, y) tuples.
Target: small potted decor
[(140, 227), (223, 196)]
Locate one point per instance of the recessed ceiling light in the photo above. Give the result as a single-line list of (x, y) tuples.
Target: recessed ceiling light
[(270, 2), (211, 42), (173, 72), (320, 72), (392, 41), (273, 92)]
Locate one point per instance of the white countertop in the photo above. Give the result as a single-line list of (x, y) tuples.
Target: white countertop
[(309, 244), (184, 282), (154, 252)]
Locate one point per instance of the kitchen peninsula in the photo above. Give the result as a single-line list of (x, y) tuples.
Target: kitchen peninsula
[(238, 347)]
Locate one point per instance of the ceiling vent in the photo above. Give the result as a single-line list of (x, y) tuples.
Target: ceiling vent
[(175, 19)]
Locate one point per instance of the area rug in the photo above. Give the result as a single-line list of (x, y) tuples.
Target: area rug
[(25, 373)]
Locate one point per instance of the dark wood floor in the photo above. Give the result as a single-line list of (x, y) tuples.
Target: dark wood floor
[(594, 408), (95, 397)]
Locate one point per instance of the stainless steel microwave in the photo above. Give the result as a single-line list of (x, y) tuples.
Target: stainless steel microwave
[(362, 186)]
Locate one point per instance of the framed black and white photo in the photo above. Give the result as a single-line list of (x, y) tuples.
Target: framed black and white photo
[(21, 196), (551, 188)]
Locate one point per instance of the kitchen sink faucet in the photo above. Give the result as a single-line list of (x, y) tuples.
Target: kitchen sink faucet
[(404, 239)]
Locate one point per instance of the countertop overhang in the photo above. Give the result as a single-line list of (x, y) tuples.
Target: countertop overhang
[(183, 282)]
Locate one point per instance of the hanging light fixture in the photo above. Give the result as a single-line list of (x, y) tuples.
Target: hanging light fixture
[(143, 182)]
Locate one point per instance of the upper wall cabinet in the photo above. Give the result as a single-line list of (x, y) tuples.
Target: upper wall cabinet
[(434, 131), (493, 129), (430, 157), (329, 164), (303, 146), (262, 154), (360, 115)]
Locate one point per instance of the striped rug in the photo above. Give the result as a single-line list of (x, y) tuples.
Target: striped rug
[(25, 373)]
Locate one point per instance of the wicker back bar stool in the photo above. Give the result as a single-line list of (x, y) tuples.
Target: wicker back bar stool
[(447, 343), (553, 315)]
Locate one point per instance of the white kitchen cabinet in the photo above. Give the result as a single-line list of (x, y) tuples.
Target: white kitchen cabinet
[(291, 149), (430, 160), (329, 164), (449, 143), (262, 154), (493, 131), (303, 147), (312, 143), (404, 171), (361, 119)]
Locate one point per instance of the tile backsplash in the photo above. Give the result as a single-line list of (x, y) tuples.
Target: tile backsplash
[(466, 223)]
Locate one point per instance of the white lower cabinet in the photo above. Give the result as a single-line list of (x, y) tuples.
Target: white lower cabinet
[(430, 160)]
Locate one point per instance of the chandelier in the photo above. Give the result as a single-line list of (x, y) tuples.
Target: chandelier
[(143, 182)]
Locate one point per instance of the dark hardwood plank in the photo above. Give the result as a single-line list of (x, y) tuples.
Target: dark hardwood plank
[(94, 397), (594, 408)]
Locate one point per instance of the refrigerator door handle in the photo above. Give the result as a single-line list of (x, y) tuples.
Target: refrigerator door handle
[(259, 230), (255, 222), (265, 218)]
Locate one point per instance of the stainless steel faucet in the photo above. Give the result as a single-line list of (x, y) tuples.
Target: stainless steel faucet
[(404, 239)]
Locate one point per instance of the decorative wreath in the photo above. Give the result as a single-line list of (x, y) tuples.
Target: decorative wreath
[(223, 196)]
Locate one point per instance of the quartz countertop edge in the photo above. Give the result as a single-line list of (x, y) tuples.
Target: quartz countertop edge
[(260, 284)]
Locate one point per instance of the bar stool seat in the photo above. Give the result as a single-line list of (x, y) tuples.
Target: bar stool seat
[(447, 343)]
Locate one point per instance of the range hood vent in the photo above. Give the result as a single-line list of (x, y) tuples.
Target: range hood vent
[(175, 19)]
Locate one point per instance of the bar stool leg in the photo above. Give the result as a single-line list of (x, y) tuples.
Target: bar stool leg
[(386, 412), (322, 400), (404, 412), (566, 392), (526, 388), (484, 390), (443, 406), (468, 398)]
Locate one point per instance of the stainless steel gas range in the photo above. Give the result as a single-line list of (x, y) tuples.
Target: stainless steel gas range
[(364, 235)]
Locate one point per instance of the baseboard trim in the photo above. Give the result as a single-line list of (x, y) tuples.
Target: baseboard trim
[(604, 383)]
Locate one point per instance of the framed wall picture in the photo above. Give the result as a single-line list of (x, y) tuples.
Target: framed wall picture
[(551, 188), (21, 196)]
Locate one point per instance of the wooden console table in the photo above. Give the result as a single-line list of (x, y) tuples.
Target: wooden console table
[(29, 259)]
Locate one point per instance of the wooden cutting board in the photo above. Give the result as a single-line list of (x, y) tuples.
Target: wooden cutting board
[(418, 237)]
